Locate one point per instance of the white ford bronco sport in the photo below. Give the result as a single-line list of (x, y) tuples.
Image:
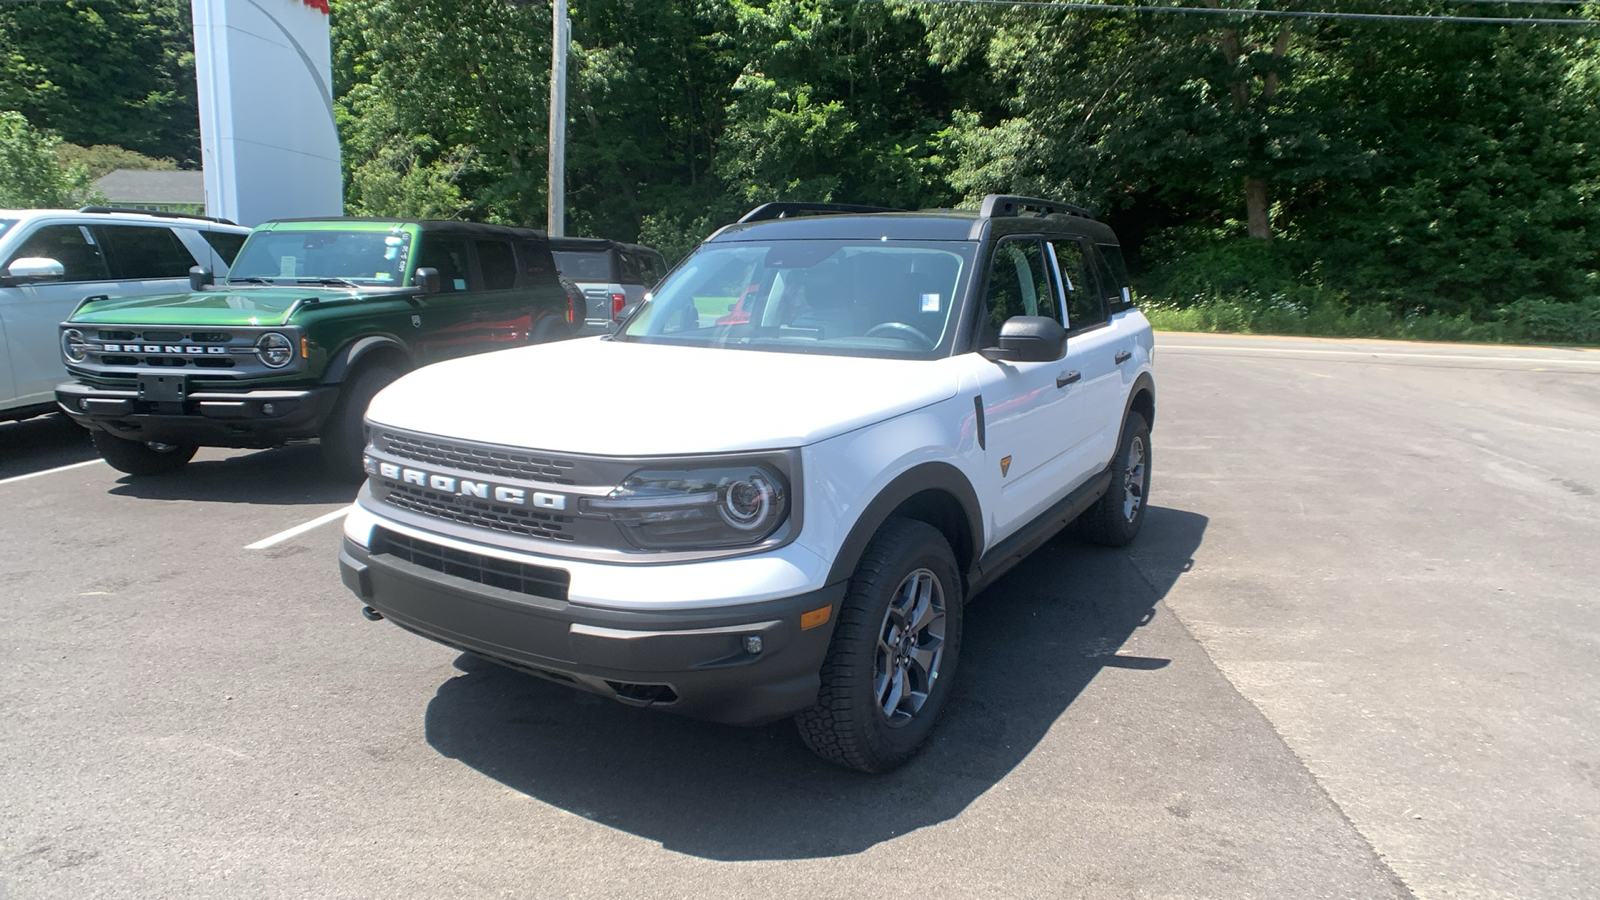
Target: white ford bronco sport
[(828, 429)]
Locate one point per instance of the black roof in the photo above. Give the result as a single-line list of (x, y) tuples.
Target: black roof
[(924, 225), (583, 244)]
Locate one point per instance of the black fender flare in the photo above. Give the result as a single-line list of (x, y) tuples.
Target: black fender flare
[(928, 476), (1143, 384), (346, 358)]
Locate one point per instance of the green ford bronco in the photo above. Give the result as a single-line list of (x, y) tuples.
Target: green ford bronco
[(313, 319)]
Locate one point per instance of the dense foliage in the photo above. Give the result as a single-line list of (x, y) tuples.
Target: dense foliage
[(1332, 176)]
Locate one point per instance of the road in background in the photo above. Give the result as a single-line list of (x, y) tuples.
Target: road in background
[(1361, 597)]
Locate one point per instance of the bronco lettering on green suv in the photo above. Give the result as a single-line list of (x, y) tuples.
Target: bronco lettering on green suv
[(314, 318)]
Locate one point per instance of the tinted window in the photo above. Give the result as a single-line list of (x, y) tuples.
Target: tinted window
[(1083, 300), (226, 244), (143, 252), (449, 256), (535, 262), (71, 245), (584, 265), (1018, 286), (498, 265)]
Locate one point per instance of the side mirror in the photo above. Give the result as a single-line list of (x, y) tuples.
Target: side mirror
[(199, 278), (1029, 339), (624, 313), (35, 268), (426, 278)]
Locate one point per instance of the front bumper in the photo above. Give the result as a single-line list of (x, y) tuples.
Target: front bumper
[(260, 418), (697, 662)]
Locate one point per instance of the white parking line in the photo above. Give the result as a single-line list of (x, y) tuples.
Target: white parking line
[(91, 462), (1519, 359), (282, 536)]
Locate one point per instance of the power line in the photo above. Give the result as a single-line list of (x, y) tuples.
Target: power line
[(1264, 13)]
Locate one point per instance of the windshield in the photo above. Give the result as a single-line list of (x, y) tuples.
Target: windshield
[(365, 257), (847, 298), (583, 265)]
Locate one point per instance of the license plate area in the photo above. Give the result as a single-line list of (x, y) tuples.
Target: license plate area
[(163, 388)]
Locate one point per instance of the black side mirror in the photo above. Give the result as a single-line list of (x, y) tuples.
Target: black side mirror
[(427, 278), (1029, 339), (199, 278)]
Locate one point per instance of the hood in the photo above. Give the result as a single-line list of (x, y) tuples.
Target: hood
[(236, 308), (613, 398)]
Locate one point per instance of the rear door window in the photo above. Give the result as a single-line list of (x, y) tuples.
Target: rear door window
[(535, 264), (74, 246), (139, 251), (449, 256), (498, 264), (1085, 305)]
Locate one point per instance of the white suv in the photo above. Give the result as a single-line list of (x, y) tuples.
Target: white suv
[(781, 515), (51, 259)]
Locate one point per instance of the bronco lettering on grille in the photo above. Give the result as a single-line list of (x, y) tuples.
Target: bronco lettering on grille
[(462, 487)]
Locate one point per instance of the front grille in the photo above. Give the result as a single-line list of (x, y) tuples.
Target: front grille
[(499, 461), (476, 513), (535, 581)]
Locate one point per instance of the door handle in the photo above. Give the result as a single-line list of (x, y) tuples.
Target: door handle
[(1123, 356), (1064, 380)]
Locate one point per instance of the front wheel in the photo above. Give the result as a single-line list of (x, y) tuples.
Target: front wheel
[(1115, 518), (344, 437), (141, 457), (893, 653)]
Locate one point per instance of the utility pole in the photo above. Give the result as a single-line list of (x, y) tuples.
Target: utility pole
[(558, 120)]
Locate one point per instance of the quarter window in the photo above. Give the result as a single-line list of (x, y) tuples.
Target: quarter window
[(71, 245), (142, 252)]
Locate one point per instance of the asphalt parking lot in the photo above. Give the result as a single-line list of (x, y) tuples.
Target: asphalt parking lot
[(1355, 654)]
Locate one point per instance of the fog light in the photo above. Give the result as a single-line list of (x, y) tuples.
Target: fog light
[(269, 409), (752, 644), (83, 405)]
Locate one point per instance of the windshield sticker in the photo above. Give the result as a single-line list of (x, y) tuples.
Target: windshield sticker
[(460, 283), (930, 302), (383, 276), (286, 267)]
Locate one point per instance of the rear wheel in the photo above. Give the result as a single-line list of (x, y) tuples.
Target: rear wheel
[(1115, 518), (141, 457), (550, 328), (893, 653), (343, 436)]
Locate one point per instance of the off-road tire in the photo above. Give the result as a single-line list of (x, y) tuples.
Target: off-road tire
[(140, 458), (548, 329), (848, 725), (343, 437), (1108, 522)]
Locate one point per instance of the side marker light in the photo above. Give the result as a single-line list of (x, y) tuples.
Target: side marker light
[(818, 616)]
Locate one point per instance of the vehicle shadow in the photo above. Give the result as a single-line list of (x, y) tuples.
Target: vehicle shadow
[(41, 443), (284, 476), (1032, 643)]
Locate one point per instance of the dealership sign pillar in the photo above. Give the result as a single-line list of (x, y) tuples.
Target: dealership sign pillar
[(268, 141)]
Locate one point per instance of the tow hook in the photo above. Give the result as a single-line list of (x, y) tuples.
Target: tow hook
[(371, 614)]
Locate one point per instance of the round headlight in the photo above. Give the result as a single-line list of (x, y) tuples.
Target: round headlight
[(275, 350), (747, 504), (74, 346)]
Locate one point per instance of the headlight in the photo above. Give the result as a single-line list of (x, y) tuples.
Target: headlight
[(73, 346), (711, 508), (275, 350)]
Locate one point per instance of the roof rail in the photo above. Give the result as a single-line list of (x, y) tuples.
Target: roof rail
[(159, 213), (1006, 205), (784, 210)]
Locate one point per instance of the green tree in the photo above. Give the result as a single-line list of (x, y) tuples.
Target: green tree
[(103, 159), (102, 72), (30, 176)]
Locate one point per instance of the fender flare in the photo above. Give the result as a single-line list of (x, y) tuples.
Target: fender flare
[(346, 357), (1144, 383), (934, 476)]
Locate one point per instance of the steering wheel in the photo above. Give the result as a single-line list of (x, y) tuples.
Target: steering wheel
[(902, 331)]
